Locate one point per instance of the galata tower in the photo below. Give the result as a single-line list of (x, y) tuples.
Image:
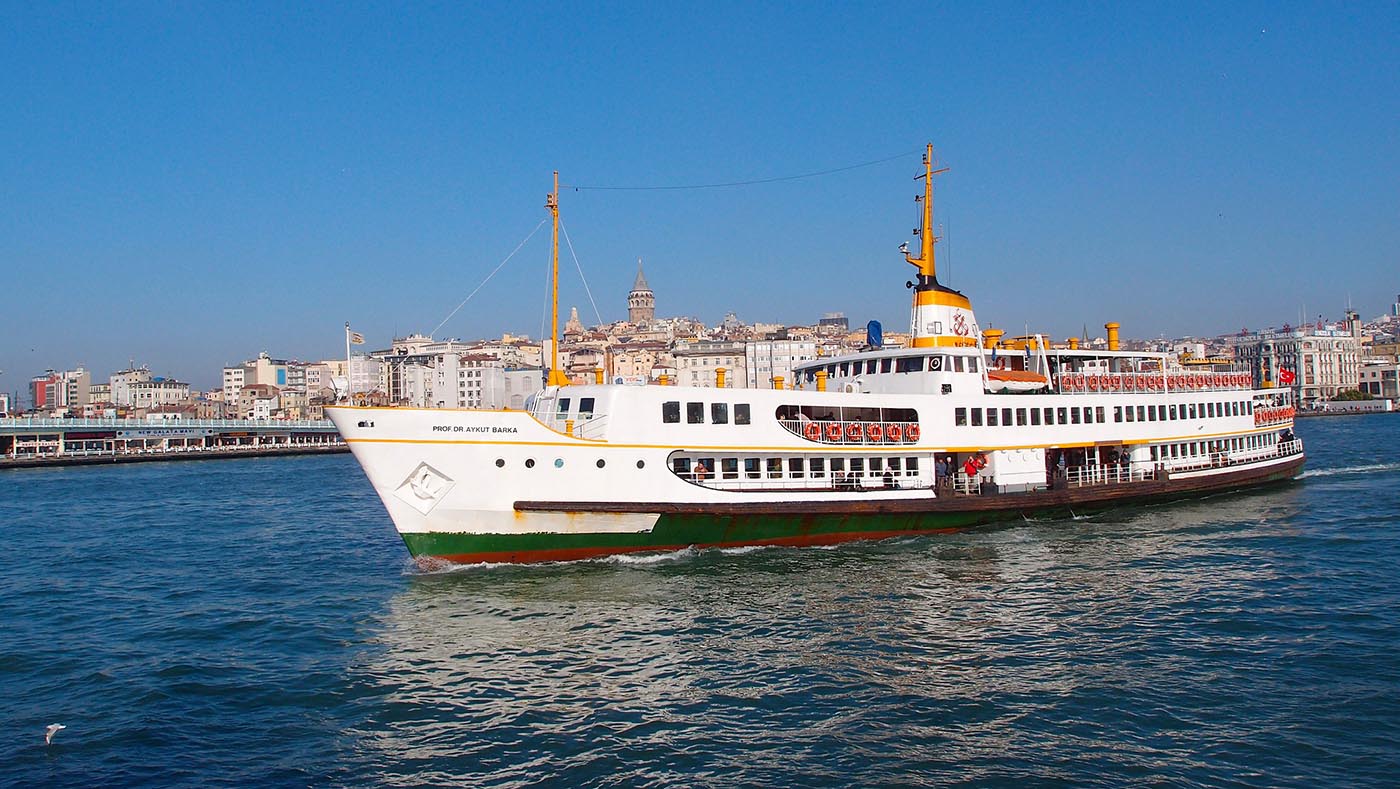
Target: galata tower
[(641, 302)]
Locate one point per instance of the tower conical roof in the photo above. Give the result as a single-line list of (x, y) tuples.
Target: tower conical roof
[(641, 283)]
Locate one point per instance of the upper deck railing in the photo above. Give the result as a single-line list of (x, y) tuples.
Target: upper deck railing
[(31, 423)]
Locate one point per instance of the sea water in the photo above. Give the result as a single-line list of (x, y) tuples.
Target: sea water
[(257, 622)]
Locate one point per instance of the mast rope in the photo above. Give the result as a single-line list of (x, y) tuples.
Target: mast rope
[(752, 182), (586, 289), (489, 276)]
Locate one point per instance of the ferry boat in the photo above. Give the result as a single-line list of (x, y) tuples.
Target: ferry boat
[(963, 427)]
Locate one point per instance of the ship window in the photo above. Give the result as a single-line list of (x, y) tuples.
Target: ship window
[(775, 468), (845, 368), (960, 416), (1161, 413), (529, 462), (1130, 413), (671, 412), (585, 407), (1049, 416), (818, 467), (838, 465), (911, 465), (957, 364), (1074, 415), (876, 465), (886, 364), (831, 371), (1006, 416), (1210, 410), (1142, 416), (1118, 413), (1171, 411), (795, 468), (719, 413), (751, 468), (858, 467), (729, 467), (894, 464), (935, 364), (977, 417), (972, 365), (870, 366), (695, 413), (563, 406), (991, 417), (741, 413), (1020, 417), (1152, 413), (681, 466), (1035, 416), (1192, 410), (909, 364), (1098, 414)]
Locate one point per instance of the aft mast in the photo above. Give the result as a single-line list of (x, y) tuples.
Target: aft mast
[(556, 376), (942, 317)]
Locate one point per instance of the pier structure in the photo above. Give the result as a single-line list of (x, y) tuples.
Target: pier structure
[(39, 441)]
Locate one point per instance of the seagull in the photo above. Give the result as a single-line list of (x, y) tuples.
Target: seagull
[(53, 728)]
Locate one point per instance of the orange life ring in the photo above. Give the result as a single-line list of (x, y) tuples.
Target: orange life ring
[(894, 432), (853, 431), (875, 432), (812, 431), (833, 431), (912, 433), (1093, 383)]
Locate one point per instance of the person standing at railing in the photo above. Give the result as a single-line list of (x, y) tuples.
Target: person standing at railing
[(940, 473)]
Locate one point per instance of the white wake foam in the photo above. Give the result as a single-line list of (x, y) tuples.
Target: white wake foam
[(1332, 472)]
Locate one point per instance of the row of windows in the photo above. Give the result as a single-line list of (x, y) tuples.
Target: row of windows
[(1009, 417), (1193, 449), (1074, 415), (695, 413), (898, 364), (701, 469)]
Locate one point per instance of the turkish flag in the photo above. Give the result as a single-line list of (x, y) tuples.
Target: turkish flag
[(1286, 376)]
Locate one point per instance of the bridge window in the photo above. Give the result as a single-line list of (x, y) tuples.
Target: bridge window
[(909, 364), (671, 412), (972, 365), (957, 364), (886, 364)]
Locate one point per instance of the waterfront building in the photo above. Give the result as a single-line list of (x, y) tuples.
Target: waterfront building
[(122, 380), (258, 401), (1322, 360), (641, 302), (1380, 379), (696, 363), (4, 404), (633, 361), (45, 391), (765, 360), (99, 394), (833, 323), (158, 392)]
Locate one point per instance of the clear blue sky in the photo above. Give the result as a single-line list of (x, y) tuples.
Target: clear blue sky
[(188, 184)]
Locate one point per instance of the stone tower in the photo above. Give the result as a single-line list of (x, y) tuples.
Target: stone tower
[(641, 302)]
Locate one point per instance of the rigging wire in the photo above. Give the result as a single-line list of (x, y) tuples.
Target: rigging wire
[(489, 276), (586, 289), (753, 182)]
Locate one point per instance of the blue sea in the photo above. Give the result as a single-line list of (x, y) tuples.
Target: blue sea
[(257, 622)]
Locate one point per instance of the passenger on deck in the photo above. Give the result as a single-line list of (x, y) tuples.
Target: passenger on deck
[(701, 472)]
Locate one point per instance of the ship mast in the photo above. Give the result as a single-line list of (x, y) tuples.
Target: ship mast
[(556, 376), (924, 262)]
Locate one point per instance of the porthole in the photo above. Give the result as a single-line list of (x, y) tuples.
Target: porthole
[(641, 464), (529, 463), (558, 462), (500, 462), (602, 463)]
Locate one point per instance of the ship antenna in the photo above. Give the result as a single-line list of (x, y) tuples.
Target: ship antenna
[(556, 376), (925, 262)]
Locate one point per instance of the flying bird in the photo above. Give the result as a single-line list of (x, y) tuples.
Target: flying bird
[(53, 728)]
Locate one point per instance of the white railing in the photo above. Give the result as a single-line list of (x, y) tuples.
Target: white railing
[(825, 482), (142, 424)]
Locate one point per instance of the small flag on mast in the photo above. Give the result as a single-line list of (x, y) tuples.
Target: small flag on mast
[(356, 338)]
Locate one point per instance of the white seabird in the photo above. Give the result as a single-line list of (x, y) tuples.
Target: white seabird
[(53, 728)]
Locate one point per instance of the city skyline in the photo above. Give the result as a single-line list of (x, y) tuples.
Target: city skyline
[(240, 181)]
